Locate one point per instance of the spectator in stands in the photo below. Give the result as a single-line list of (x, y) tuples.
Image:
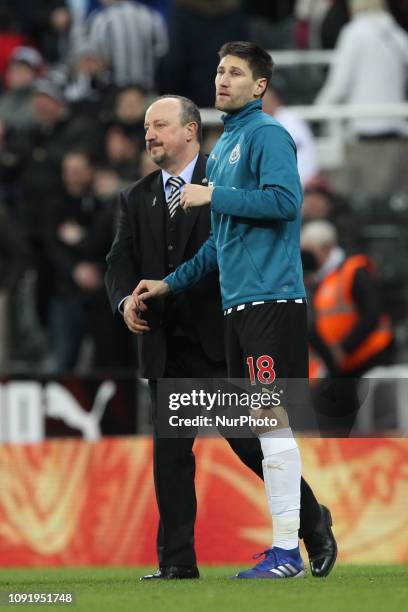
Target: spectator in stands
[(271, 24), (37, 156), (320, 22), (130, 105), (274, 104), (16, 104), (131, 38), (320, 202), (88, 82), (44, 22), (349, 332), (122, 152), (56, 130), (334, 397), (80, 230), (310, 15), (321, 360), (347, 306), (107, 183), (371, 68), (129, 110), (80, 11), (197, 29)]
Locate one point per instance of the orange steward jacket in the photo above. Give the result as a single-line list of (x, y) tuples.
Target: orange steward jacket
[(336, 314)]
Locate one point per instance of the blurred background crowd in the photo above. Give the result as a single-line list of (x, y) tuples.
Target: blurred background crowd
[(76, 77)]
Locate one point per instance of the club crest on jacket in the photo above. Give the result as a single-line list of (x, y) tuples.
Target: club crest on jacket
[(235, 154)]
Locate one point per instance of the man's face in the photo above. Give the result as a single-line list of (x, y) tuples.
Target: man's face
[(166, 138), (235, 85), (19, 75), (77, 173), (315, 206), (46, 109), (119, 146), (131, 105)]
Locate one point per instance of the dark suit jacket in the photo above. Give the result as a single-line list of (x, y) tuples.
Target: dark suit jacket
[(139, 251)]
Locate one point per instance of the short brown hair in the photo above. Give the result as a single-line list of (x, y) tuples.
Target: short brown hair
[(259, 60)]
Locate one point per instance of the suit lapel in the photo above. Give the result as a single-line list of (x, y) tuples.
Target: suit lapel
[(154, 204)]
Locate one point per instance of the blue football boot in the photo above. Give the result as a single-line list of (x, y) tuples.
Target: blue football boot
[(277, 563)]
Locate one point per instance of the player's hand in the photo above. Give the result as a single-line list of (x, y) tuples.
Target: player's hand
[(132, 317), (195, 195), (148, 289)]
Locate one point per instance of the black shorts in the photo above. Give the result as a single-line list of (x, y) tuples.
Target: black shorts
[(272, 332), (268, 344)]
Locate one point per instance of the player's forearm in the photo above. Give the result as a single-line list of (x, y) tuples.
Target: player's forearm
[(271, 203), (193, 270)]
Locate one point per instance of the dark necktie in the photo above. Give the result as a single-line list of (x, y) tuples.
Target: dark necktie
[(173, 202)]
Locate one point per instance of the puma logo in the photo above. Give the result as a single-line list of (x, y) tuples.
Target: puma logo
[(60, 404)]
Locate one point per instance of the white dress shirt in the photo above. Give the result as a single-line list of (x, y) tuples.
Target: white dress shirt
[(186, 175)]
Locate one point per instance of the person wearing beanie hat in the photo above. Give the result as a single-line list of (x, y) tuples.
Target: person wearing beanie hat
[(23, 68), (29, 57)]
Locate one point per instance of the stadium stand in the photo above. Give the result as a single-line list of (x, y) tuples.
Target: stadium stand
[(80, 84)]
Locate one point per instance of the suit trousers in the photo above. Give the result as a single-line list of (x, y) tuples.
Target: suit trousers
[(174, 463)]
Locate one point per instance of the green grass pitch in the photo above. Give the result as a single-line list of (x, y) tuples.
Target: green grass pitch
[(348, 589)]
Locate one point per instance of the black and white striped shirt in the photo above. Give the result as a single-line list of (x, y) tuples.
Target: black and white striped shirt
[(130, 37)]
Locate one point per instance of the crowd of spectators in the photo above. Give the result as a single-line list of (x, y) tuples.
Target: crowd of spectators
[(76, 77)]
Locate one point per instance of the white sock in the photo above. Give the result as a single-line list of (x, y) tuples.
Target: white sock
[(282, 472)]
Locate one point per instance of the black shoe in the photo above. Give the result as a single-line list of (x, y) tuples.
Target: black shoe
[(173, 572), (321, 546)]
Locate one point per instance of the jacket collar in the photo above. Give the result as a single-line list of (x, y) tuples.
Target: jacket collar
[(242, 115), (186, 175)]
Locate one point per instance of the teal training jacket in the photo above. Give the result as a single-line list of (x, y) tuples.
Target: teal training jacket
[(255, 213)]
